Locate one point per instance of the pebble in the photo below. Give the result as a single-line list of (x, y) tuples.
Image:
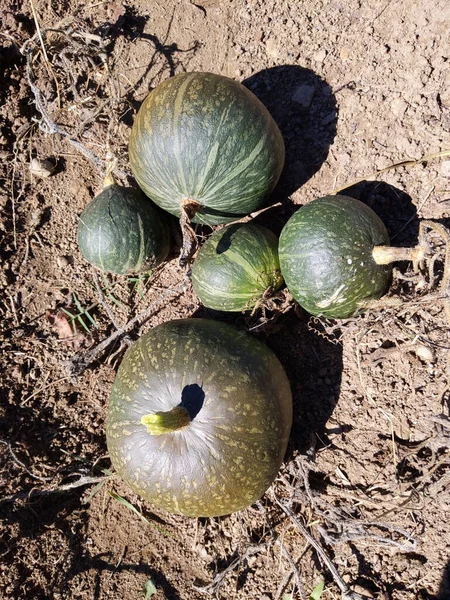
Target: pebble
[(445, 168), (304, 95), (425, 352), (41, 168), (320, 56), (62, 261), (272, 48), (344, 53), (398, 107), (445, 100)]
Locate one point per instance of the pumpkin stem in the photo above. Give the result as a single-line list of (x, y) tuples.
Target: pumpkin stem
[(111, 164), (384, 255), (166, 422), (109, 180), (189, 208)]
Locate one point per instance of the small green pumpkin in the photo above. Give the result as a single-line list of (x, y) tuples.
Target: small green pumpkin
[(199, 417), (204, 141), (121, 231), (237, 267), (327, 256)]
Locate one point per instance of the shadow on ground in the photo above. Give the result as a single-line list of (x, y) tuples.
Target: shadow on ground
[(304, 107), (394, 207), (313, 364)]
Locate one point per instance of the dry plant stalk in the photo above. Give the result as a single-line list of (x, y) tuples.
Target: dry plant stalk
[(81, 361)]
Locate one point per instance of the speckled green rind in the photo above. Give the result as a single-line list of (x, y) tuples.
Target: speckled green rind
[(231, 451), (236, 267), (326, 256), (120, 231), (205, 137)]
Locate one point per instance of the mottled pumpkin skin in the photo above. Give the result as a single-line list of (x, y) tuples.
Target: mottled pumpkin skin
[(207, 138), (326, 256), (237, 267), (121, 231), (231, 451)]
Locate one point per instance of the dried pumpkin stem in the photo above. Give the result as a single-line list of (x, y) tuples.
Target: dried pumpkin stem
[(384, 255), (189, 208), (108, 180), (166, 422)]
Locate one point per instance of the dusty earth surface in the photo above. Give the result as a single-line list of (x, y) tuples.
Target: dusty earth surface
[(354, 87)]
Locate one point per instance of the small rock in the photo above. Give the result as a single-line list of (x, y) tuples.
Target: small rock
[(399, 107), (62, 261), (445, 100), (303, 95), (362, 591), (404, 146), (344, 53), (425, 353), (320, 56), (41, 168), (272, 48), (445, 168)]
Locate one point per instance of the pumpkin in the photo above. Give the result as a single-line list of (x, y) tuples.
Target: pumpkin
[(237, 268), (199, 417), (121, 231), (328, 252), (205, 144)]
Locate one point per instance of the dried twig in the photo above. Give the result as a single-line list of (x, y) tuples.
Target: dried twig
[(218, 580), (44, 51), (20, 463), (82, 360), (102, 300), (403, 163), (38, 493), (347, 594), (47, 125), (354, 530), (294, 569)]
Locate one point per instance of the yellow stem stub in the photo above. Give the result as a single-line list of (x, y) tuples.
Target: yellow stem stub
[(159, 423), (385, 255)]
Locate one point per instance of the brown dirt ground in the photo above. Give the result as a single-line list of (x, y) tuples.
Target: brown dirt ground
[(354, 87)]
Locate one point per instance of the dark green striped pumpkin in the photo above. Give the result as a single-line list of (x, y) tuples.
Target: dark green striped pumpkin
[(199, 417), (121, 231), (237, 267), (205, 138), (326, 256)]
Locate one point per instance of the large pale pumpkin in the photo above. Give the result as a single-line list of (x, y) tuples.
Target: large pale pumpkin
[(199, 417)]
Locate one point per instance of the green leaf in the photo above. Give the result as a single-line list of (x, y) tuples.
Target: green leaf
[(149, 589), (287, 597), (317, 591), (94, 490)]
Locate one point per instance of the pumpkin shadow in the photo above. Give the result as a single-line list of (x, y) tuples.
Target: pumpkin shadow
[(304, 107), (444, 590), (313, 363), (394, 207), (131, 26)]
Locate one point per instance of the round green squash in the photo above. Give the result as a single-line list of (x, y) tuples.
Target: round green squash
[(199, 418), (206, 141), (237, 267), (327, 256), (121, 231)]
